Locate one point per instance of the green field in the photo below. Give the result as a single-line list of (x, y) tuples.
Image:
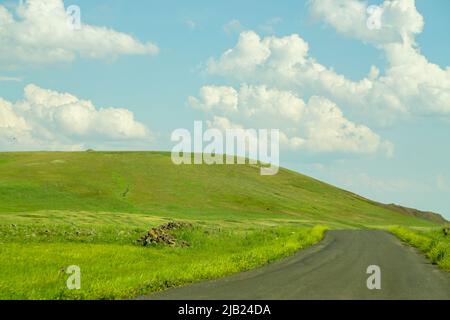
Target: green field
[(89, 208)]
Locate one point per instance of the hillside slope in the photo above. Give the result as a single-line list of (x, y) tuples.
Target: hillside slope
[(432, 216), (148, 183)]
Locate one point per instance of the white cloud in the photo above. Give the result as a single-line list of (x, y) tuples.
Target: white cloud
[(327, 130), (316, 126), (11, 125), (252, 53), (39, 33), (410, 85), (393, 21), (222, 124), (215, 97), (259, 101), (49, 120), (281, 62), (248, 53)]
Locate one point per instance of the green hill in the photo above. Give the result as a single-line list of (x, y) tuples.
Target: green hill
[(148, 183)]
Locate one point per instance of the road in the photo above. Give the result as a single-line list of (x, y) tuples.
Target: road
[(336, 268)]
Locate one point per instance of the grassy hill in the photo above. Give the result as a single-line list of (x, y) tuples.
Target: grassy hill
[(90, 208), (148, 183)]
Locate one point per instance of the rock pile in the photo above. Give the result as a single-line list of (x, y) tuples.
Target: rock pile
[(446, 231), (161, 235)]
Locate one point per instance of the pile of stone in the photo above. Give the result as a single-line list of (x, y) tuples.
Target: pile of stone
[(174, 225), (162, 235)]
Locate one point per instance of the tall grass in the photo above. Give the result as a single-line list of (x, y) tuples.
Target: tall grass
[(433, 243)]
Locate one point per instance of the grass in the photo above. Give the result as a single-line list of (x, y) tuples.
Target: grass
[(114, 266), (433, 243), (89, 208)]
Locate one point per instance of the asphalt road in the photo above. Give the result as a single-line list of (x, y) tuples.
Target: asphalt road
[(334, 269)]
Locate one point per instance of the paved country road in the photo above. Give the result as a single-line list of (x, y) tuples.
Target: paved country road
[(334, 269)]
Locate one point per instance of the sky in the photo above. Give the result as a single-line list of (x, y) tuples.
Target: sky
[(360, 90)]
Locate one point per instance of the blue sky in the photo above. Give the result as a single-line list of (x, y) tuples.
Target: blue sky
[(155, 87)]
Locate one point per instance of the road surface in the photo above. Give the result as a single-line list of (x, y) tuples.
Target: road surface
[(336, 268)]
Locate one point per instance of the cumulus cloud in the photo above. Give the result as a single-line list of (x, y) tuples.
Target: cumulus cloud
[(316, 126), (215, 97), (50, 120), (253, 54), (248, 53), (409, 86), (284, 62), (13, 128), (39, 32)]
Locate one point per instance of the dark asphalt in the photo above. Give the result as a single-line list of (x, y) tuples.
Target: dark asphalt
[(334, 269)]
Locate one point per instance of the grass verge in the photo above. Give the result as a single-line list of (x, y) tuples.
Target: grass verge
[(433, 243)]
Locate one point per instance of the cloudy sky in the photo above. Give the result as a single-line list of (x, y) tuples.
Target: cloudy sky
[(359, 89)]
